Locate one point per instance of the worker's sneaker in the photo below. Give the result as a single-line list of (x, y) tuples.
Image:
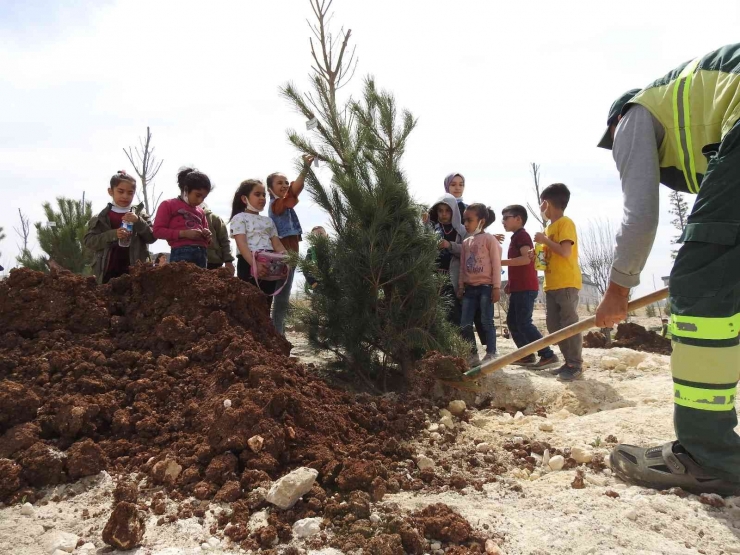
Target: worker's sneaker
[(546, 362), (526, 361), (570, 374), (473, 360), (558, 370), (489, 356)]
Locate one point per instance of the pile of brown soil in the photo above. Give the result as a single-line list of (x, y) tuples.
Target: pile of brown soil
[(170, 372), (630, 336)]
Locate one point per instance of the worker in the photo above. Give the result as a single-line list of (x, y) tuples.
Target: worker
[(682, 131)]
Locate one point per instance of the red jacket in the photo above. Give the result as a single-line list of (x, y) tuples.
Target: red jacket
[(176, 215)]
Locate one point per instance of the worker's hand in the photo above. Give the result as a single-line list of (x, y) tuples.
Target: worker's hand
[(443, 244), (191, 234), (230, 267), (130, 217), (500, 237), (613, 307), (121, 233), (539, 237)]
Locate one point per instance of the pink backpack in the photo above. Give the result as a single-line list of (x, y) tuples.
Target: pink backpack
[(277, 267)]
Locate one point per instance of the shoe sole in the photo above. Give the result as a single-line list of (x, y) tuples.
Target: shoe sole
[(569, 379), (547, 366)]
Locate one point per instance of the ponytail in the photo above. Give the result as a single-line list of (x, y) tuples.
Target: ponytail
[(244, 190), (483, 212), (190, 179)]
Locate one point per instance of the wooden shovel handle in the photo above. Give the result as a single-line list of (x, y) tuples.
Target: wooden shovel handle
[(558, 336)]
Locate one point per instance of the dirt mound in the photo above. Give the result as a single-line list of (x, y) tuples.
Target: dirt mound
[(630, 336), (176, 373)]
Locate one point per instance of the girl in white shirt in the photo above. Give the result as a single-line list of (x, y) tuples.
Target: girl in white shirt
[(253, 232)]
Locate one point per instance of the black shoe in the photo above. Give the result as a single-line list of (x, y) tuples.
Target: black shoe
[(570, 374), (556, 371)]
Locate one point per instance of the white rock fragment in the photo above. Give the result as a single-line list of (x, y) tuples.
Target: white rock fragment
[(506, 417), (519, 415), (546, 458), (609, 363), (595, 479), (435, 546), (27, 509), (546, 426), (55, 540), (444, 412), (433, 427), (255, 443), (631, 515), (582, 455), (306, 527), (424, 462), (214, 542), (620, 367), (457, 407), (258, 520), (556, 463), (87, 548), (375, 518), (287, 490), (483, 447), (492, 548), (436, 436), (447, 422), (227, 403), (205, 547)]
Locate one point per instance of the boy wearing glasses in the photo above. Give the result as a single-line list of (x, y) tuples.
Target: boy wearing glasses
[(523, 288)]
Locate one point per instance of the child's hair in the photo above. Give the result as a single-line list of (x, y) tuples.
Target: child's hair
[(483, 212), (516, 210), (270, 180), (121, 175), (316, 228), (556, 194), (244, 190), (190, 179)]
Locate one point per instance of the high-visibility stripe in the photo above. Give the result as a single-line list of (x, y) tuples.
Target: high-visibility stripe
[(697, 327), (682, 125), (704, 399)]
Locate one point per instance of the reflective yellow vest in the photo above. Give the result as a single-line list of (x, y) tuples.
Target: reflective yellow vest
[(697, 104)]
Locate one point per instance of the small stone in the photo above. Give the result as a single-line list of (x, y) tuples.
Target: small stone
[(582, 455), (125, 527), (447, 422), (166, 471), (287, 490), (433, 427), (87, 548), (307, 527), (214, 542), (375, 518), (457, 407), (436, 546), (546, 458), (712, 499), (227, 403), (444, 412), (424, 462), (255, 443), (506, 417), (436, 436), (519, 415), (596, 480), (631, 515), (54, 540), (546, 426), (557, 462), (483, 447), (205, 547), (621, 367), (492, 548), (27, 509)]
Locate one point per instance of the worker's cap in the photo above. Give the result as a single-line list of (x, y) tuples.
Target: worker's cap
[(614, 112)]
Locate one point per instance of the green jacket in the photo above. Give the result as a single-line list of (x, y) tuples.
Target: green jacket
[(697, 103), (219, 249), (100, 236)]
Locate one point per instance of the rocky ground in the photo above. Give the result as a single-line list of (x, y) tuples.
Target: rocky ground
[(519, 467)]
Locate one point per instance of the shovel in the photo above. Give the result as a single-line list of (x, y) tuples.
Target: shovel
[(467, 380)]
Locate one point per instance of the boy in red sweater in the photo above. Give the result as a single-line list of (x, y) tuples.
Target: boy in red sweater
[(523, 288)]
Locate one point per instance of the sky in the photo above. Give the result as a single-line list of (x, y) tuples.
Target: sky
[(495, 86)]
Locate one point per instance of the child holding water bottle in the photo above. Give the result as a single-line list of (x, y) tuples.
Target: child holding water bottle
[(121, 233)]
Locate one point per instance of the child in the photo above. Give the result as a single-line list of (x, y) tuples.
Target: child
[(283, 199), (523, 288), (253, 232), (455, 185), (562, 276), (219, 249), (104, 231), (311, 281), (182, 222), (447, 222), (160, 259), (480, 277)]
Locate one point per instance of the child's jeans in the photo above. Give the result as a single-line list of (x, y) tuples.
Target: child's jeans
[(478, 296), (281, 304), (519, 319), (190, 253)]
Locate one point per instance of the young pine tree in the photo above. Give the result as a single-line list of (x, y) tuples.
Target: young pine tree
[(680, 212), (377, 299), (62, 242)]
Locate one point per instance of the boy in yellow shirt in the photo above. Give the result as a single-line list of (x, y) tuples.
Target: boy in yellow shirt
[(562, 276)]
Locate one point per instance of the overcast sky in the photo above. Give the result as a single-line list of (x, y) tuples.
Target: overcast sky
[(495, 86)]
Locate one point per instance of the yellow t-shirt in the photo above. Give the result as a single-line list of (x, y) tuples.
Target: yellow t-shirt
[(561, 272)]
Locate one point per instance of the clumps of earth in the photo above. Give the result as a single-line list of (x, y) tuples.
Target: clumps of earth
[(631, 336), (174, 377)]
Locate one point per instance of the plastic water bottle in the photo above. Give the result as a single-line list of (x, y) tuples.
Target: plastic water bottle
[(129, 227)]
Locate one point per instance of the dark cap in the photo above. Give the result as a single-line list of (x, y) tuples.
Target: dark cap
[(614, 112)]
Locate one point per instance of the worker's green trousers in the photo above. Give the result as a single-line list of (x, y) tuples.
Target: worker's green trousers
[(705, 320)]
